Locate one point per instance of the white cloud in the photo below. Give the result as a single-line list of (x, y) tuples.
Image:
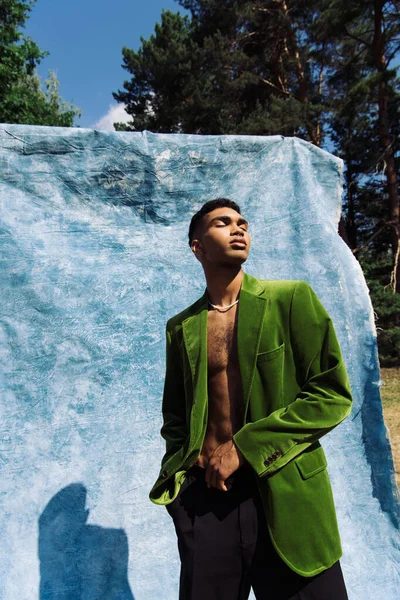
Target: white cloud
[(116, 114)]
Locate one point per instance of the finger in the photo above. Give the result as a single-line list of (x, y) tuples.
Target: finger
[(214, 478), (207, 475), (219, 481), (210, 476), (221, 484), (209, 480), (229, 483)]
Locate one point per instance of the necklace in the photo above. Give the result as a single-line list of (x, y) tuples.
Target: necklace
[(224, 308)]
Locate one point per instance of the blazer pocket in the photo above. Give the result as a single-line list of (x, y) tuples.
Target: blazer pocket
[(312, 462), (269, 380), (271, 354)]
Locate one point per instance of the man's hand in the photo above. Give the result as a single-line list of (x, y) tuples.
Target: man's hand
[(225, 459)]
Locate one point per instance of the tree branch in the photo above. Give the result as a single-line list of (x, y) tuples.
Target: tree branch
[(392, 55), (354, 37), (374, 235), (235, 42), (230, 68)]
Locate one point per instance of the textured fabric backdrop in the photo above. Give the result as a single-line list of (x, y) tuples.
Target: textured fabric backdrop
[(94, 260)]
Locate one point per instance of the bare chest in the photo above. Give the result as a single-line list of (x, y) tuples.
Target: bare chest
[(221, 340)]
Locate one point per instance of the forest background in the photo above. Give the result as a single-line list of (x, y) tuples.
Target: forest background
[(325, 71)]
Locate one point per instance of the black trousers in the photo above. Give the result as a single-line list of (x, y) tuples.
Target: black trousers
[(225, 547)]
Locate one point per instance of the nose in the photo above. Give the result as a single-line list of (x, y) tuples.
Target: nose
[(237, 231)]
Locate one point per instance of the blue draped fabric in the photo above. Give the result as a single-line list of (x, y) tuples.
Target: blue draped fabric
[(94, 260)]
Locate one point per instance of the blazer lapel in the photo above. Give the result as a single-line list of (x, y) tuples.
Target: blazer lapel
[(253, 301), (194, 330)]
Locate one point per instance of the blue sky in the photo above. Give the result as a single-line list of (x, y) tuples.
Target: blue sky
[(85, 39)]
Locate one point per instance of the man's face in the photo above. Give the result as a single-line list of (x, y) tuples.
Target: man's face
[(216, 235)]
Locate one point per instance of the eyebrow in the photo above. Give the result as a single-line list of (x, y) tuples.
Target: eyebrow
[(227, 218)]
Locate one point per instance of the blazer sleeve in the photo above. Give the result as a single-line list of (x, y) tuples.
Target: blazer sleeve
[(324, 400), (174, 429)]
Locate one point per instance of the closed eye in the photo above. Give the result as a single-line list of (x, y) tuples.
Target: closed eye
[(242, 228), (225, 219)]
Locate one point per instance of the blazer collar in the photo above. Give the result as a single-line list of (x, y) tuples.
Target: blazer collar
[(253, 301)]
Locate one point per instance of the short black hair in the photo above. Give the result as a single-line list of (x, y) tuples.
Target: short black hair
[(208, 207)]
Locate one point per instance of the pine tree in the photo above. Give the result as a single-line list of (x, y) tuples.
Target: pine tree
[(316, 69)]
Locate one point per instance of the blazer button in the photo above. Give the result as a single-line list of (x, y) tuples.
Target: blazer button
[(267, 461), (164, 473)]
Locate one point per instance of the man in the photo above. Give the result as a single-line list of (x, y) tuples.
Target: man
[(254, 377)]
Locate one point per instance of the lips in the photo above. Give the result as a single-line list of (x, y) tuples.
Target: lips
[(239, 241)]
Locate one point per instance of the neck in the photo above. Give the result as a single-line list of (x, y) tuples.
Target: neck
[(223, 287)]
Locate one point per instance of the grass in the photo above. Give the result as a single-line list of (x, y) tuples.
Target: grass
[(390, 394)]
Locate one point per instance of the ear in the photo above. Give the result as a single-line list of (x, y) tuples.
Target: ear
[(197, 249)]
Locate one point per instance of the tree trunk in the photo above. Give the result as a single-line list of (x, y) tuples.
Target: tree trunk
[(388, 158)]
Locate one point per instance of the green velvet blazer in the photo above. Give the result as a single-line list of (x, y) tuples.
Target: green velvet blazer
[(295, 390)]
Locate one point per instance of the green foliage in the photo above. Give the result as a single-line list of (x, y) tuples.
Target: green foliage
[(376, 266), (232, 68), (316, 69), (27, 103), (22, 99)]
